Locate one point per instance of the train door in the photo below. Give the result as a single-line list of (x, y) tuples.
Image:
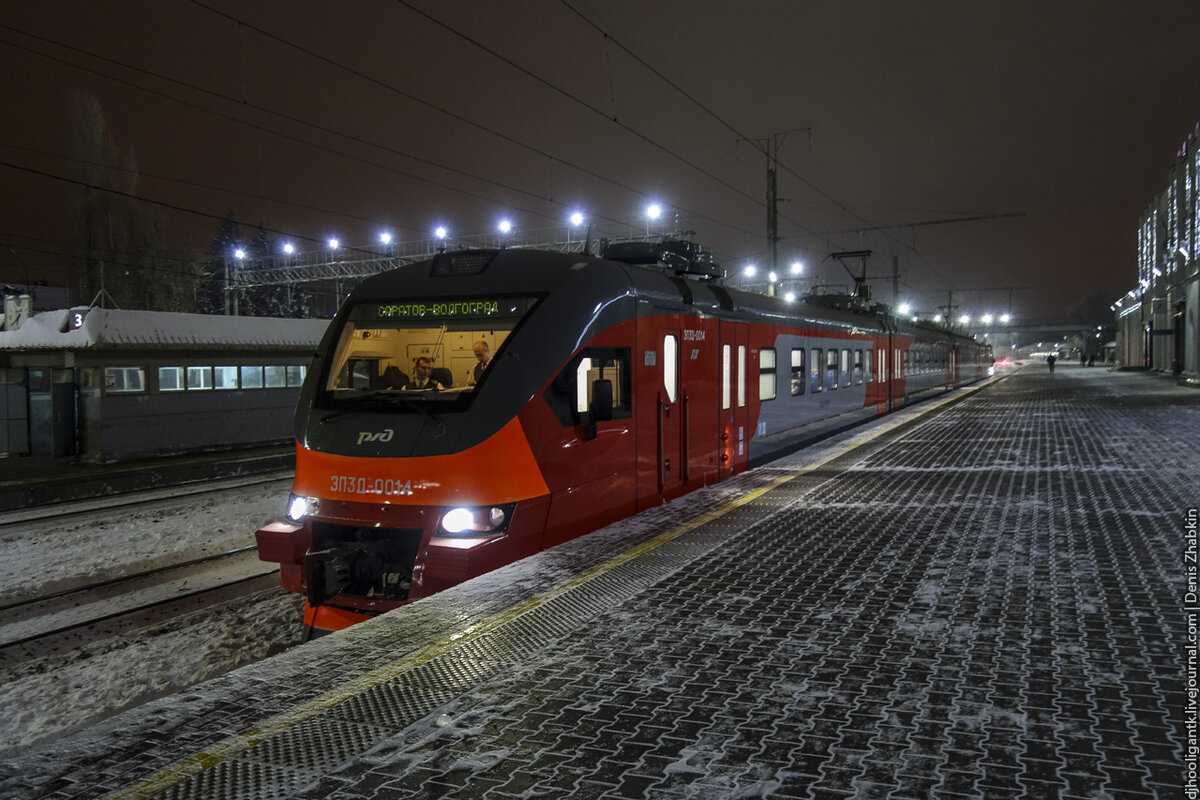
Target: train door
[(661, 411), (734, 416), (671, 422)]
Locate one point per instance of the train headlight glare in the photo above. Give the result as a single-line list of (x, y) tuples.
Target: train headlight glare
[(476, 520), (300, 507)]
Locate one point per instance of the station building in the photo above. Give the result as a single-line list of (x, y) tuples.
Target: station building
[(1157, 326), (108, 384)]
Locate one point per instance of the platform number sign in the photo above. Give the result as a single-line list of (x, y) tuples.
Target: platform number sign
[(76, 320)]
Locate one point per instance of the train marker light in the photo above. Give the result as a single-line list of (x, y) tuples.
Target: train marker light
[(300, 507)]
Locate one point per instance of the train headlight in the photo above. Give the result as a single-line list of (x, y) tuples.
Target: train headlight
[(300, 507), (475, 521)]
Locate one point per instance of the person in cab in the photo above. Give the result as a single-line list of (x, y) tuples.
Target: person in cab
[(422, 379)]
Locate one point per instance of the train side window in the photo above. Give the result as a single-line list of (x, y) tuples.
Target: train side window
[(896, 373), (274, 377), (741, 378), (845, 367), (570, 393), (581, 385), (831, 369), (907, 363), (225, 377), (119, 380), (252, 377), (726, 384), (870, 376), (797, 371), (170, 379), (671, 366), (295, 374), (766, 374), (818, 384), (199, 378), (882, 365), (858, 367)]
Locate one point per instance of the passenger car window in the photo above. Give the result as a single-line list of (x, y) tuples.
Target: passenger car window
[(766, 374)]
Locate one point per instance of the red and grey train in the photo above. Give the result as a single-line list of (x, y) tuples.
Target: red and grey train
[(613, 385)]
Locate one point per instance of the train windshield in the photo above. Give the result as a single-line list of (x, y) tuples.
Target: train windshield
[(433, 351)]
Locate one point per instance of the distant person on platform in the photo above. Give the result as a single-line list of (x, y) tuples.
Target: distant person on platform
[(423, 377), (483, 355), (1050, 359)]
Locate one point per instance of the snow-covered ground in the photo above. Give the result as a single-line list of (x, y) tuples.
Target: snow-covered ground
[(48, 697)]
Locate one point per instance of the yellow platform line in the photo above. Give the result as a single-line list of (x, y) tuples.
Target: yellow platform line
[(239, 743)]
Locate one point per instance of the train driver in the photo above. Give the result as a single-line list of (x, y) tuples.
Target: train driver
[(484, 356), (423, 376)]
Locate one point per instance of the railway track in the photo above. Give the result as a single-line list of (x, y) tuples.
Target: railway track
[(76, 616), (139, 498)]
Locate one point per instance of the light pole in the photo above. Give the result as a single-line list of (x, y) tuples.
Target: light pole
[(240, 255)]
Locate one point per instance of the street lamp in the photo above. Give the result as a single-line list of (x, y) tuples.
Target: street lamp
[(240, 255), (576, 219), (385, 239), (441, 233), (653, 212)]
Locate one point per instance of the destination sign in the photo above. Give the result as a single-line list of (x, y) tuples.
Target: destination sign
[(472, 307)]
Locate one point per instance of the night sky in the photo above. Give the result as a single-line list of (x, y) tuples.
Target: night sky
[(1058, 120)]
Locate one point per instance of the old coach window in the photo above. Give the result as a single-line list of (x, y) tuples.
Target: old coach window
[(225, 377), (124, 379), (199, 378), (170, 379)]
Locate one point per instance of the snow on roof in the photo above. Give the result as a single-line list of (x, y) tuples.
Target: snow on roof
[(105, 328)]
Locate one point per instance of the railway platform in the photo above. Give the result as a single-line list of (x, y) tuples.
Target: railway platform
[(980, 597)]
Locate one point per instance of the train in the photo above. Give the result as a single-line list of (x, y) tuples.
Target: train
[(565, 392)]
